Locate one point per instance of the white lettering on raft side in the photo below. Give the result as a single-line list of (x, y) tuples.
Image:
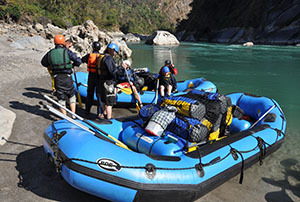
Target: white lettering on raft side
[(145, 138), (108, 164)]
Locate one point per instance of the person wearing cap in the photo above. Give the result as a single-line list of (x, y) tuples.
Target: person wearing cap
[(60, 60), (93, 79), (124, 70), (108, 78)]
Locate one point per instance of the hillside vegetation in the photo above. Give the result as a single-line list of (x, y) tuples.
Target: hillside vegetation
[(133, 16)]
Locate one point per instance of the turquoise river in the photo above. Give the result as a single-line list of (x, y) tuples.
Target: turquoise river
[(271, 71)]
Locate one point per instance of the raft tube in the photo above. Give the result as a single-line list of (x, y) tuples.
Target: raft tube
[(162, 168), (147, 97)]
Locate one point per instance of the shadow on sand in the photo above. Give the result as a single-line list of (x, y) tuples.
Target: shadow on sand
[(285, 183), (38, 175), (34, 109)]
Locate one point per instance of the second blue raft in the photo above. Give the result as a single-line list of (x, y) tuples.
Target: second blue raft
[(147, 97)]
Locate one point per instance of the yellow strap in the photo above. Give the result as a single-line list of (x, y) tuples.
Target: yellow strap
[(214, 135), (207, 123)]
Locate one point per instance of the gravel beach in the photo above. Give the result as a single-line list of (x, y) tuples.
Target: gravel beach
[(27, 175)]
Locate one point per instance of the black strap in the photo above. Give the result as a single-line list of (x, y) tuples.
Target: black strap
[(262, 148), (64, 59), (234, 153)]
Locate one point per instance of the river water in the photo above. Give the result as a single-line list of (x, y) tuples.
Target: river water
[(271, 71)]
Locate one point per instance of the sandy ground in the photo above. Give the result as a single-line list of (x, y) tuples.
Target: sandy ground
[(26, 174)]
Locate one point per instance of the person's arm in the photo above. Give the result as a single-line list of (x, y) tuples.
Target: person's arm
[(45, 61), (76, 60), (85, 58)]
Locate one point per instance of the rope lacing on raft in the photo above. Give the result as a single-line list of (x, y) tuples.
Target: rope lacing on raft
[(261, 144)]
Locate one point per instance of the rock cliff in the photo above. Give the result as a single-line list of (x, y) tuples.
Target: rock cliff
[(234, 21)]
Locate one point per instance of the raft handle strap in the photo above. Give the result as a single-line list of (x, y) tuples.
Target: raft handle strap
[(235, 153), (199, 166), (262, 148)]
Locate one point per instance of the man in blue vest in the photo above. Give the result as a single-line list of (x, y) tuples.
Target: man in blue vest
[(60, 59)]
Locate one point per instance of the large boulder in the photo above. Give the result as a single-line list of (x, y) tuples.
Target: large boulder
[(162, 38), (52, 30), (34, 43), (84, 35), (7, 120), (131, 38)]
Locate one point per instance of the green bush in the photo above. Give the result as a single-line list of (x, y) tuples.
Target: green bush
[(13, 11), (2, 13), (58, 21), (32, 10)]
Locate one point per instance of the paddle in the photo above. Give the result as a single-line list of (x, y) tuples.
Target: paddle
[(260, 118), (127, 91), (124, 90), (119, 143), (78, 94), (138, 108), (156, 91), (171, 56)]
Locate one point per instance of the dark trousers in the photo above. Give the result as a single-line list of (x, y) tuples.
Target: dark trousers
[(93, 84)]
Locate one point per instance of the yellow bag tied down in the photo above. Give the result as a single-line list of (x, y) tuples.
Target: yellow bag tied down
[(182, 106)]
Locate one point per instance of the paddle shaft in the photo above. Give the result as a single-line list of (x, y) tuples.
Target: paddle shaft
[(78, 94), (137, 104), (170, 51), (124, 90), (61, 115), (156, 93), (85, 121), (260, 118)]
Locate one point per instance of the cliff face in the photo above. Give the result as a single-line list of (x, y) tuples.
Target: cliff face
[(234, 21), (175, 10)]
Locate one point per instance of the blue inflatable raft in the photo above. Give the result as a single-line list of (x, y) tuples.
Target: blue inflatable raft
[(162, 168), (147, 96)]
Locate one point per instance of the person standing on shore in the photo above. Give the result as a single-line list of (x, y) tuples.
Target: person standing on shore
[(69, 45), (60, 59), (93, 79), (108, 77)]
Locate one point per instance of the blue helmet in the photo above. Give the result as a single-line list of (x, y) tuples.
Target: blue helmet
[(165, 69), (113, 46)]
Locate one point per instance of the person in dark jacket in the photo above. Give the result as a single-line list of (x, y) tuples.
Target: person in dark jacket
[(59, 60), (108, 78), (173, 71), (93, 79)]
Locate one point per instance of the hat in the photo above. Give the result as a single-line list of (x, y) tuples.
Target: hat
[(127, 62)]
